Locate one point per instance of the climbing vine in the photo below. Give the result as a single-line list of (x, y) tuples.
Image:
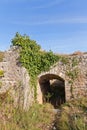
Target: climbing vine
[(73, 73), (33, 58)]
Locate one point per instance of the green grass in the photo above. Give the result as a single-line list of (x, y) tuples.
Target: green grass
[(74, 115), (38, 117)]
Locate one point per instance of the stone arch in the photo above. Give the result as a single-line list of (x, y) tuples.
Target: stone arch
[(53, 89)]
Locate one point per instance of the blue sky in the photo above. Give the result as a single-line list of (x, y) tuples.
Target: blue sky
[(57, 25)]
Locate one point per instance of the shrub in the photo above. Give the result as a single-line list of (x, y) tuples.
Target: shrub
[(32, 58), (1, 73), (64, 60)]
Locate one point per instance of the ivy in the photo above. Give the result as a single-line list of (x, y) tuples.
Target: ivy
[(32, 58), (73, 73)]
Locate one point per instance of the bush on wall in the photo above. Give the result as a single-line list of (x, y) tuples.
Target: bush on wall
[(32, 58)]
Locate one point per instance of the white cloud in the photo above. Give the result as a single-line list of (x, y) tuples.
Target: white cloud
[(50, 4), (72, 20)]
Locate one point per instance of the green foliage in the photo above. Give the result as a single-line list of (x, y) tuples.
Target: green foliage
[(38, 115), (64, 60), (32, 58), (48, 96), (73, 74), (14, 118), (74, 62), (72, 71), (1, 73), (1, 56), (73, 116)]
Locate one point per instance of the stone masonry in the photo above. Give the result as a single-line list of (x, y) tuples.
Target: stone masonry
[(16, 78), (74, 75)]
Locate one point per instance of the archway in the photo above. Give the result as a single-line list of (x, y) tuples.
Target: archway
[(53, 89)]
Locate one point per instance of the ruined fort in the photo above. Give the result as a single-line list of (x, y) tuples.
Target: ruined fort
[(65, 80)]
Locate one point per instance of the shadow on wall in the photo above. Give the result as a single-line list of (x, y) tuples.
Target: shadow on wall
[(53, 89)]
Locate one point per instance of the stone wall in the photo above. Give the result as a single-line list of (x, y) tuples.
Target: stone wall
[(74, 74), (15, 79)]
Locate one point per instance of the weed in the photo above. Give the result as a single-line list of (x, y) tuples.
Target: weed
[(1, 73), (73, 116)]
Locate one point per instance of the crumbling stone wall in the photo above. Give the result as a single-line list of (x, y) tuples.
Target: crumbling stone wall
[(15, 79), (74, 74)]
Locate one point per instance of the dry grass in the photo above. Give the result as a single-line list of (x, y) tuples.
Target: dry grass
[(74, 115), (38, 117)]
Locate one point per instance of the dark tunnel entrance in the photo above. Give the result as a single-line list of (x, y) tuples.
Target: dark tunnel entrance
[(53, 89)]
